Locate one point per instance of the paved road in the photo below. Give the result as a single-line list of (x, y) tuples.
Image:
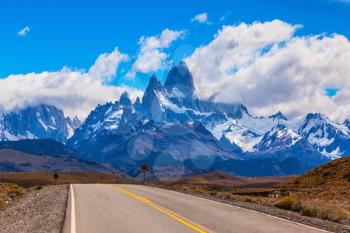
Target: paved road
[(103, 208)]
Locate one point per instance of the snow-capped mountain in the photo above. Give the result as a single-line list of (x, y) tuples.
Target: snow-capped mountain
[(172, 120), (280, 136), (328, 137), (126, 134), (41, 121), (347, 123), (171, 125)]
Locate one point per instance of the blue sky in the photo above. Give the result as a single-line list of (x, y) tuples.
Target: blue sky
[(47, 35), (74, 32)]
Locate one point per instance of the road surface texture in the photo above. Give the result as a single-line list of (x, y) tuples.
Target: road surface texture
[(101, 208)]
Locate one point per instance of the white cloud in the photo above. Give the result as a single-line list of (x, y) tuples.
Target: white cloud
[(152, 56), (24, 31), (201, 18), (268, 68), (105, 66), (76, 92)]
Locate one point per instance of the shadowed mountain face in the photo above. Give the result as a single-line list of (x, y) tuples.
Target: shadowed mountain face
[(179, 82)]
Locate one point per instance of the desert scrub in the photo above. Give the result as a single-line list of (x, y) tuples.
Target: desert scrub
[(9, 192), (14, 191), (326, 211), (213, 193), (288, 203), (309, 211), (2, 202)]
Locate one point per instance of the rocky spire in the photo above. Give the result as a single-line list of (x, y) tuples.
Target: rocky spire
[(180, 80), (125, 99), (150, 94)]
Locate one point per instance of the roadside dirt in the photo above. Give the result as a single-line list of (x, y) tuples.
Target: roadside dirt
[(39, 211)]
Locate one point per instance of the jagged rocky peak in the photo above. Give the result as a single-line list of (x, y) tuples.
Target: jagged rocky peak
[(125, 99), (150, 97), (137, 101), (316, 116), (41, 121), (74, 122), (278, 116), (278, 137), (137, 104), (313, 122), (233, 110), (180, 81), (154, 84), (347, 123)]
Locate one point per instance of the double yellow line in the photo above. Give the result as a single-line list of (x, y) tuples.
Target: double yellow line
[(160, 209)]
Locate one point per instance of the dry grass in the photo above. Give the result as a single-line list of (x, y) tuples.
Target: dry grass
[(324, 210), (335, 173), (8, 192), (288, 203)]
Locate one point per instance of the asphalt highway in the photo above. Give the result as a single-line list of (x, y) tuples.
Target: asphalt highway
[(101, 208)]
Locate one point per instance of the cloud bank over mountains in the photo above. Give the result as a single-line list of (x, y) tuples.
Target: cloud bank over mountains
[(74, 91), (264, 65), (269, 69)]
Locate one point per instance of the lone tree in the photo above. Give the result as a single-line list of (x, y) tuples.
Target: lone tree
[(55, 177), (144, 169)]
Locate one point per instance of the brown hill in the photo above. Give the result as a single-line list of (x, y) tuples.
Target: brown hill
[(224, 179), (335, 173), (215, 178), (17, 161)]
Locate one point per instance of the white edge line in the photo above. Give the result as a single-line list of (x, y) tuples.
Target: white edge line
[(72, 213), (238, 207)]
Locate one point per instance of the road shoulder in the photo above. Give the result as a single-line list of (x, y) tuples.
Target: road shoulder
[(40, 211)]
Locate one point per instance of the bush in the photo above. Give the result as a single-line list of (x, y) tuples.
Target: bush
[(247, 199), (287, 203), (14, 191), (326, 211), (310, 212), (332, 214), (213, 193), (2, 202)]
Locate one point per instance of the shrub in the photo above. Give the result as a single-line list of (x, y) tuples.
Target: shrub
[(213, 193), (326, 211), (2, 202), (310, 212), (287, 203), (14, 191), (347, 176), (332, 214), (247, 199)]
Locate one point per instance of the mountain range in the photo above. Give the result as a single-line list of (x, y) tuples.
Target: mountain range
[(178, 133)]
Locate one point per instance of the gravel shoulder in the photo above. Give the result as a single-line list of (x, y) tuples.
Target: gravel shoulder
[(280, 213), (40, 211)]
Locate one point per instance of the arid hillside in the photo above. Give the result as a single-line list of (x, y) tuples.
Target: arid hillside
[(335, 173)]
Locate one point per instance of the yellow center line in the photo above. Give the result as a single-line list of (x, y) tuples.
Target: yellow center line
[(160, 209)]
